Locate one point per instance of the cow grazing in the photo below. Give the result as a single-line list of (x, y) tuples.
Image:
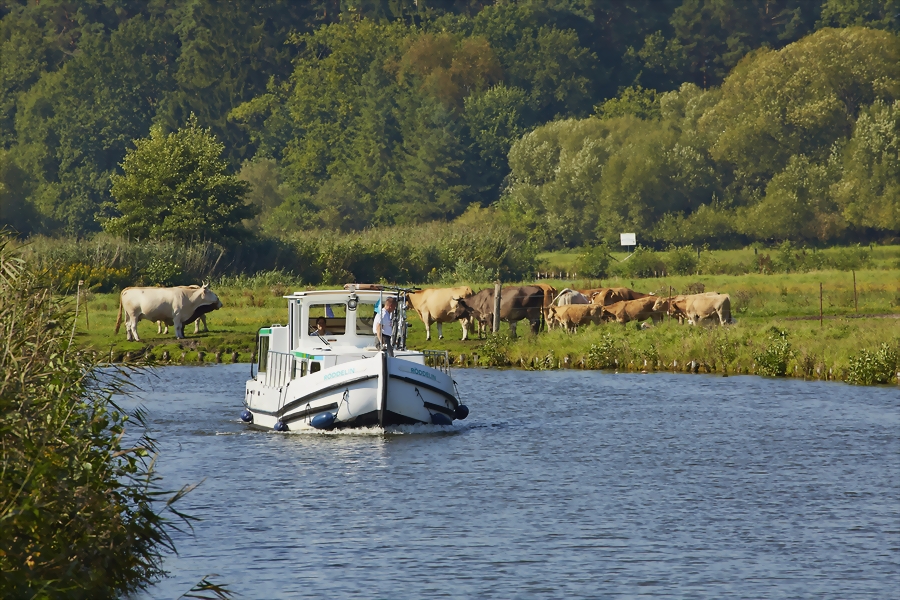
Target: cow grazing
[(516, 303), (641, 309), (570, 316), (441, 305), (568, 296), (176, 306), (697, 308), (607, 296)]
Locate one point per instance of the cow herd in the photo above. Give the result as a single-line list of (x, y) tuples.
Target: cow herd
[(568, 309), (538, 303)]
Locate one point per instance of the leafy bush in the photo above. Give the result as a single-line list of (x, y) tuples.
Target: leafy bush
[(869, 368), (773, 361), (163, 272), (495, 350), (603, 355), (468, 271), (96, 278), (82, 512), (593, 261), (642, 263), (852, 258), (682, 260)]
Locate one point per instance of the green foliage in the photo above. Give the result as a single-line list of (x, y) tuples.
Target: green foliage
[(643, 262), (177, 187), (635, 101), (82, 512), (773, 360), (681, 260), (876, 14), (869, 368), (593, 261), (495, 350), (605, 354), (359, 114), (160, 272), (869, 190)]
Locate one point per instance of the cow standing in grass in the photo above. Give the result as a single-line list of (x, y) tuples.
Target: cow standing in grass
[(177, 306)]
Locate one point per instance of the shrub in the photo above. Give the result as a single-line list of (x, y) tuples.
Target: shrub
[(773, 360), (603, 355), (682, 260), (852, 258), (163, 272), (869, 368), (642, 263), (495, 350), (593, 261), (82, 513), (96, 278)]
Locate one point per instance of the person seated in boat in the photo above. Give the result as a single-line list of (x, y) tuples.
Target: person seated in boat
[(384, 326), (320, 327)]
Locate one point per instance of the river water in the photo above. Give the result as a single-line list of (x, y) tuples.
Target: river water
[(561, 484)]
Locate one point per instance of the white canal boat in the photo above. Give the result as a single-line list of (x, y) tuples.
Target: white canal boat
[(302, 379)]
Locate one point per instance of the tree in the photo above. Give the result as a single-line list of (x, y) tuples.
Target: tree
[(177, 186), (869, 192)]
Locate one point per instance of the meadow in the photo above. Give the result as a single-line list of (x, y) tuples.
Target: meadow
[(779, 311)]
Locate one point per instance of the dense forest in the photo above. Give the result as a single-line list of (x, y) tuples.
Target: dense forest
[(718, 122)]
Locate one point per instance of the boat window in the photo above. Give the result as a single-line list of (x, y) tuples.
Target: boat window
[(365, 318), (262, 355), (335, 318), (315, 367), (303, 367)]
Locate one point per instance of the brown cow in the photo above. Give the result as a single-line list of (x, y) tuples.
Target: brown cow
[(609, 296), (634, 310), (439, 305), (516, 303), (697, 307), (570, 316)]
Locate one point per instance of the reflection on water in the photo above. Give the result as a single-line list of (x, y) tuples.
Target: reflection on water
[(560, 484)]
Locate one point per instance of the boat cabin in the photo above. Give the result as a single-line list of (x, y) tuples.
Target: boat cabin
[(285, 352)]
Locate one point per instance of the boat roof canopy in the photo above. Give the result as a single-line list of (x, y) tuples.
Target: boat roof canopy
[(362, 294)]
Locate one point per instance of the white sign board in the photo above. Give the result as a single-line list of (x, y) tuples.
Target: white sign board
[(628, 239)]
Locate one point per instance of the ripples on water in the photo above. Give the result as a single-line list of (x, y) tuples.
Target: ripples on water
[(562, 484)]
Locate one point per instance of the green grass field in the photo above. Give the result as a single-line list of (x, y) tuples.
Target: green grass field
[(786, 302), (882, 257)]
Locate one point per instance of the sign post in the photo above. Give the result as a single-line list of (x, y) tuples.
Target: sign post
[(628, 239)]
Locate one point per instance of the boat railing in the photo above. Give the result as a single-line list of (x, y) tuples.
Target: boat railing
[(438, 359), (280, 369)]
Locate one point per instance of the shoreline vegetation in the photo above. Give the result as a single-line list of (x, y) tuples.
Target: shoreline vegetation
[(776, 330)]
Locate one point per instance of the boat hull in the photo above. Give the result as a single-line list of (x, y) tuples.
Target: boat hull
[(376, 391)]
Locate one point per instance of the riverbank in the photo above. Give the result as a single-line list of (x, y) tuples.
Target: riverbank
[(844, 347)]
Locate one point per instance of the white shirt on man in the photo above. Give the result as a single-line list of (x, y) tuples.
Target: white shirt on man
[(383, 318)]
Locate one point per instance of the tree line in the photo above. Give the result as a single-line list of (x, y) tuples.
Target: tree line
[(687, 121)]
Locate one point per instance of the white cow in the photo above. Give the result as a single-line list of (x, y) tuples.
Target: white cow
[(201, 319), (441, 305), (176, 306), (568, 296)]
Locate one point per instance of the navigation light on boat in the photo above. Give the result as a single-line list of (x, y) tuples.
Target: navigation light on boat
[(462, 411), (323, 421), (247, 416), (440, 419), (280, 426)]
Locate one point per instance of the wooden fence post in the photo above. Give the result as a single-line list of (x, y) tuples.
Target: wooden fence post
[(820, 305), (497, 306), (855, 298)]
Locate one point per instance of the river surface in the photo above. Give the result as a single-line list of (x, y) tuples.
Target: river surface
[(561, 484)]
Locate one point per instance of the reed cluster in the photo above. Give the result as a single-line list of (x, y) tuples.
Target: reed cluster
[(81, 509)]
